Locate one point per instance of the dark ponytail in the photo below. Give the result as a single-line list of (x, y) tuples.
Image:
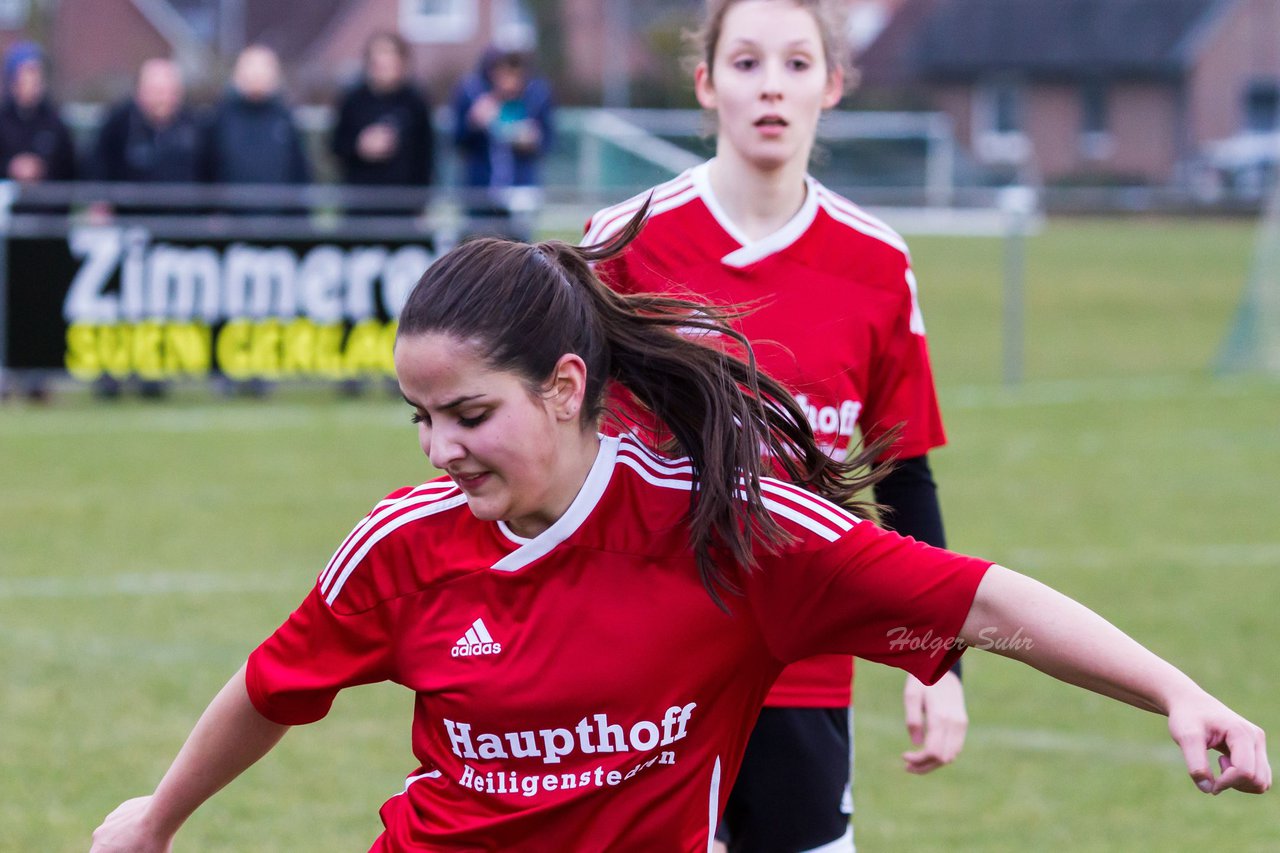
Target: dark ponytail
[(524, 306)]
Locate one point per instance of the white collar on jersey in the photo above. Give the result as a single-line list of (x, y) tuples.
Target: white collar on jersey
[(755, 250), (588, 496)]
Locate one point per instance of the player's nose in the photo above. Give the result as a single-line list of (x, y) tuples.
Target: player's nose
[(443, 448)]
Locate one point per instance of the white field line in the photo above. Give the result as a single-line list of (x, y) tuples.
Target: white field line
[(1073, 392), (1100, 747), (1207, 555), (268, 417), (149, 584)]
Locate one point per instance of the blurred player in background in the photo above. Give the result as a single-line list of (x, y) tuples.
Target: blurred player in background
[(839, 323), (590, 626)]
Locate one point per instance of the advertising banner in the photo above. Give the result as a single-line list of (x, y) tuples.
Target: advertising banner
[(117, 300)]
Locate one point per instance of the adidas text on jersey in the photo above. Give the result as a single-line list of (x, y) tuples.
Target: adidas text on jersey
[(476, 642)]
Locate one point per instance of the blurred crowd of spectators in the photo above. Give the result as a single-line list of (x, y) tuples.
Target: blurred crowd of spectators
[(382, 134)]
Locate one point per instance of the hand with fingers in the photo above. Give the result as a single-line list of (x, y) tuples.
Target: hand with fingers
[(936, 722), (1202, 723)]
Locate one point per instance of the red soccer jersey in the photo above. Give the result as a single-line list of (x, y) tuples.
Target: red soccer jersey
[(836, 320), (580, 690)]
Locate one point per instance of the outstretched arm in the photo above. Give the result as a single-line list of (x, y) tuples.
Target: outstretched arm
[(229, 738), (1019, 617)]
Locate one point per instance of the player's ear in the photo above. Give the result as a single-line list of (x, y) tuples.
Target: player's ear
[(568, 386), (703, 88), (834, 90)]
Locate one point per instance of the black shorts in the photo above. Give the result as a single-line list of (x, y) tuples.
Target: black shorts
[(793, 791)]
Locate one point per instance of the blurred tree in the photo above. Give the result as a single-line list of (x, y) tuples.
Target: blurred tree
[(666, 77), (39, 25), (547, 16)]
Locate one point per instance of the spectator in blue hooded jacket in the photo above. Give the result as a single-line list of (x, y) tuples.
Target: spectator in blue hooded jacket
[(502, 127)]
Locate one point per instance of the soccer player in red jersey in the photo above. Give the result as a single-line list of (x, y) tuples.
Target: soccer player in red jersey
[(838, 322), (590, 626)]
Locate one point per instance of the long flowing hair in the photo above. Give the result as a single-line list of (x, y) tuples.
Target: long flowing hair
[(522, 306)]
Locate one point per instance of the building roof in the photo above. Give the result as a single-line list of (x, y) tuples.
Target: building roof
[(290, 28), (965, 39)]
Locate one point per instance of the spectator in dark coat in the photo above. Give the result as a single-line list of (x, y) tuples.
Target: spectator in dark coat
[(152, 137), (383, 135), (251, 137), (35, 146)]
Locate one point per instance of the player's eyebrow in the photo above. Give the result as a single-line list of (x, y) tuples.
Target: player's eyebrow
[(452, 404), (465, 398), (795, 44)]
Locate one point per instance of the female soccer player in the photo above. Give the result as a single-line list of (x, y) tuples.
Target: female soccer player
[(837, 322), (590, 626)]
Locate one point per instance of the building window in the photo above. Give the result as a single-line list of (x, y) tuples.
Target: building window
[(436, 21), (511, 26), (864, 23), (1006, 109), (1262, 106), (1095, 132), (999, 123), (13, 14)]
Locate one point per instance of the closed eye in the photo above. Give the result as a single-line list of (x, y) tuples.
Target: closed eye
[(421, 418)]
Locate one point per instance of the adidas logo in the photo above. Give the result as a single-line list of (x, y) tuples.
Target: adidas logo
[(476, 642)]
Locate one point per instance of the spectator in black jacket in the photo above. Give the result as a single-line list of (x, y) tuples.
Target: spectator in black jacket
[(152, 137), (35, 144), (383, 135), (251, 137)]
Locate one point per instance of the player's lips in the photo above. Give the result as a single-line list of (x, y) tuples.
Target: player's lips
[(469, 480), (771, 125)]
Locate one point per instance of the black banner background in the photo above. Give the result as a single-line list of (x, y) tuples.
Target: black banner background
[(40, 272)]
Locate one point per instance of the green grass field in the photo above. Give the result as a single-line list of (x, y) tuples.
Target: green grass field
[(145, 549)]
